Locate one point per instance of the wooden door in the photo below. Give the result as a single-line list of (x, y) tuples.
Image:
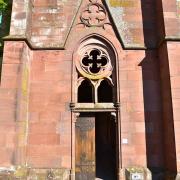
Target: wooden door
[(85, 148)]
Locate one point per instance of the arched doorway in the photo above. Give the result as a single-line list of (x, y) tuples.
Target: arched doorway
[(96, 127), (96, 146)]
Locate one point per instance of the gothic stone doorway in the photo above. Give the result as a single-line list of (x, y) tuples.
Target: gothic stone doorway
[(95, 147)]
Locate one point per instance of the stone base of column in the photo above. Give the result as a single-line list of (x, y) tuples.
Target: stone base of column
[(72, 175), (28, 173), (135, 173), (178, 176)]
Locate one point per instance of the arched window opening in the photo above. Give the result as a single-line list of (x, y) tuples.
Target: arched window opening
[(105, 92), (85, 92)]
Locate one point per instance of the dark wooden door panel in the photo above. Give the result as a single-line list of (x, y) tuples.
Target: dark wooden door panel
[(85, 148)]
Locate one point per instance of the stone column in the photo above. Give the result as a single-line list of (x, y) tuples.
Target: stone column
[(73, 122)]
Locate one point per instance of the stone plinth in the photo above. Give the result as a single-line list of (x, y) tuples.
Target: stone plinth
[(135, 173), (27, 173)]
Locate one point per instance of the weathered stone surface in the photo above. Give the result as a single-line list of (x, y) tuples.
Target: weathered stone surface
[(178, 177), (27, 173), (49, 25), (171, 18), (136, 173), (37, 126)]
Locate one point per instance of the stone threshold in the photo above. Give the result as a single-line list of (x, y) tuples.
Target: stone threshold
[(28, 173)]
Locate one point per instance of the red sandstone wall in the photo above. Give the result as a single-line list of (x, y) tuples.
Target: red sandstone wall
[(13, 104), (19, 18), (174, 69), (132, 109), (171, 17), (49, 24), (168, 121), (47, 93), (153, 109), (141, 109), (49, 140)]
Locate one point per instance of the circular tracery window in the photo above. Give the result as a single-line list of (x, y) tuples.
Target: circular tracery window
[(94, 64)]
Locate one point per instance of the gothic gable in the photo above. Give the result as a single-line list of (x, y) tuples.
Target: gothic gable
[(50, 22), (129, 29)]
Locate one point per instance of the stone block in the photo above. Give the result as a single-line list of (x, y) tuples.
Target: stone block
[(28, 173), (178, 176), (135, 173)]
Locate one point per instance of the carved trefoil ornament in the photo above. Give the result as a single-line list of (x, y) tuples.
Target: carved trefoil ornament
[(94, 14)]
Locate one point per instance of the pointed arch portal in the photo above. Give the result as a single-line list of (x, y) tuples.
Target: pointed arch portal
[(96, 127), (95, 146)]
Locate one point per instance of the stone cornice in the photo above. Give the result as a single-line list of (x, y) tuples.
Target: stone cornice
[(127, 47)]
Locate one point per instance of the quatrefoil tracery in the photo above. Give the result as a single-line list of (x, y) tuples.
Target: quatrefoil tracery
[(93, 15), (95, 64), (94, 61)]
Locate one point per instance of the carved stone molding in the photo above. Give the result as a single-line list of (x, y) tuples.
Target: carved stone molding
[(94, 14)]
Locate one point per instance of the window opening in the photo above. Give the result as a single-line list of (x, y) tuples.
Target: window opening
[(95, 74), (105, 92), (85, 92)]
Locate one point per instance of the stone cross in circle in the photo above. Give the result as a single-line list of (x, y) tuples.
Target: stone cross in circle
[(94, 61)]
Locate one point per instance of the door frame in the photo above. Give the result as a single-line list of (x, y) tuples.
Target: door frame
[(115, 115)]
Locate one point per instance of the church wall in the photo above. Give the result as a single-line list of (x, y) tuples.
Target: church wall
[(14, 102), (174, 69), (129, 108), (19, 18), (168, 121), (132, 109), (153, 110), (171, 18), (149, 23), (37, 86), (141, 109), (131, 96), (168, 27), (50, 117)]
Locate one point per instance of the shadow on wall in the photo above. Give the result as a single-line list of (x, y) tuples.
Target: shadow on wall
[(153, 112), (159, 151)]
